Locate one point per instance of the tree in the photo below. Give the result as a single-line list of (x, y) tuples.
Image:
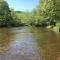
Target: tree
[(4, 13), (47, 10)]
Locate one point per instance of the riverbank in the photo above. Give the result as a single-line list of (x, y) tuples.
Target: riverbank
[(55, 28)]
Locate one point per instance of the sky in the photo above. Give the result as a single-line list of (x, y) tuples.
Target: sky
[(23, 5)]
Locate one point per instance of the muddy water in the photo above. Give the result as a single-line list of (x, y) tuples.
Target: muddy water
[(29, 43)]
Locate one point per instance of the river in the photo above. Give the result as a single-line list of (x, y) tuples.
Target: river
[(29, 43)]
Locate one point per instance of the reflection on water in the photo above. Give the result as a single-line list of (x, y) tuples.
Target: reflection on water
[(17, 44), (5, 37), (27, 43), (48, 43)]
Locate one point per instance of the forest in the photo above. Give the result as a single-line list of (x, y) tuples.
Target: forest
[(46, 14)]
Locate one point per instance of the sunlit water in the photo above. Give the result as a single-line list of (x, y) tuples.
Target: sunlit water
[(29, 43)]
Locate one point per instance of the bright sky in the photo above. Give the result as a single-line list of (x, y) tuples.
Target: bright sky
[(23, 5)]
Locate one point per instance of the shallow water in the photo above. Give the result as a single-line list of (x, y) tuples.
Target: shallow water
[(29, 43)]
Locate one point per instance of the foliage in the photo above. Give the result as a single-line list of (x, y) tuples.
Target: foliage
[(48, 12), (45, 14), (4, 13)]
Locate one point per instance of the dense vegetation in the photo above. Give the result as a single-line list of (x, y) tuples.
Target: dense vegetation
[(8, 17), (47, 13)]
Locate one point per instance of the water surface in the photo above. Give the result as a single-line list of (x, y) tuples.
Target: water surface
[(29, 43)]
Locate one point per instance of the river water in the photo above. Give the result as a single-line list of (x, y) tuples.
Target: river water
[(29, 43)]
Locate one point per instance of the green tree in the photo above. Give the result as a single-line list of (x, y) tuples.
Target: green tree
[(4, 13)]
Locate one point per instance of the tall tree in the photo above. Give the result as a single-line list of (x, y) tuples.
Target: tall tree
[(4, 12)]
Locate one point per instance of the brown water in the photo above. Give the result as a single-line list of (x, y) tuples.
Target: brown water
[(29, 43)]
